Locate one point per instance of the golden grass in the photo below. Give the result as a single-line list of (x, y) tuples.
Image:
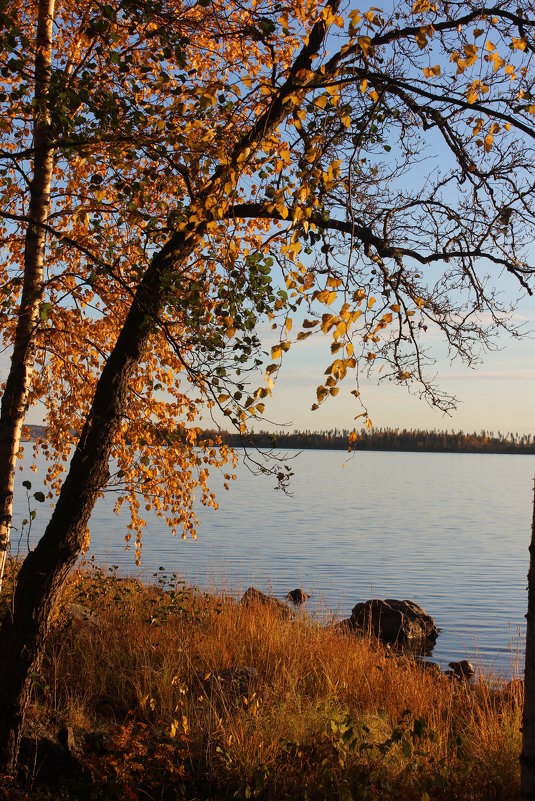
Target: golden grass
[(325, 716)]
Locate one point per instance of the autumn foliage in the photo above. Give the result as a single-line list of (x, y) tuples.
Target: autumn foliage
[(216, 165), (161, 124)]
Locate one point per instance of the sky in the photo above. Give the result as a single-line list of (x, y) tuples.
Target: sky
[(497, 395)]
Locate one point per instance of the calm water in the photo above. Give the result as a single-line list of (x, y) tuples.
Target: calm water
[(449, 531)]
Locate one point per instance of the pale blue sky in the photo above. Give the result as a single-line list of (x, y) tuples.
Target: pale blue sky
[(498, 395)]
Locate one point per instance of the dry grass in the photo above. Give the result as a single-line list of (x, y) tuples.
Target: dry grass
[(325, 716)]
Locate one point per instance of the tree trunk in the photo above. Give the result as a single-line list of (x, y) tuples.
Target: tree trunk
[(44, 570), (15, 398), (527, 757)]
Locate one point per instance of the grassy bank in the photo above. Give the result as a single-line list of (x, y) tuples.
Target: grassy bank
[(165, 693)]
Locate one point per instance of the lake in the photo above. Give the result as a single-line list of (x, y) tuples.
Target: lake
[(448, 531)]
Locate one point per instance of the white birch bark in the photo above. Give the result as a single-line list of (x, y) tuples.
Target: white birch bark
[(15, 398)]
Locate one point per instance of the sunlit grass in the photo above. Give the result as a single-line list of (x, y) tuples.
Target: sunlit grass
[(160, 675)]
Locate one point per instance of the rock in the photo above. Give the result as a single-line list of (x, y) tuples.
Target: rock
[(234, 680), (253, 597), (83, 615), (50, 759), (429, 667), (297, 596), (462, 670), (342, 626), (401, 622)]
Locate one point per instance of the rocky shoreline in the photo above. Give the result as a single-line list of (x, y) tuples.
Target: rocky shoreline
[(402, 626)]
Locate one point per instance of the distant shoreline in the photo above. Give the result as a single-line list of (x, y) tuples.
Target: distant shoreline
[(392, 440)]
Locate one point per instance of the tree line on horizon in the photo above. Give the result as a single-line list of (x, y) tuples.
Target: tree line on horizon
[(392, 439), (377, 439)]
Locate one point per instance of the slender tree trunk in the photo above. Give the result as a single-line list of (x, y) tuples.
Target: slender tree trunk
[(44, 570), (527, 757), (15, 398)]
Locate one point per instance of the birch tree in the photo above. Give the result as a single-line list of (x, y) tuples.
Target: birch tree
[(17, 388), (248, 143)]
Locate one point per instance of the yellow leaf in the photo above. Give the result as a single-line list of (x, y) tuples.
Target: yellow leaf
[(421, 38), (471, 52), (333, 282), (395, 307), (363, 85), (472, 94), (371, 301), (365, 44), (519, 44), (349, 349), (334, 390), (420, 6), (326, 297), (321, 393), (369, 423), (327, 322), (430, 72), (321, 101), (374, 95), (276, 352)]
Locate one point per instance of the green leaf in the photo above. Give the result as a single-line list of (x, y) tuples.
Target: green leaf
[(44, 310), (39, 496), (406, 746)]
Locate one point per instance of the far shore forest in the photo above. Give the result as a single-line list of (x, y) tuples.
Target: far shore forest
[(379, 439)]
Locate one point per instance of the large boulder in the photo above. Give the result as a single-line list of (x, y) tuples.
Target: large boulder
[(392, 621), (254, 597)]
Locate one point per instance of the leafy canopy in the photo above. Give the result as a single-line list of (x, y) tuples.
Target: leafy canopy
[(355, 173)]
